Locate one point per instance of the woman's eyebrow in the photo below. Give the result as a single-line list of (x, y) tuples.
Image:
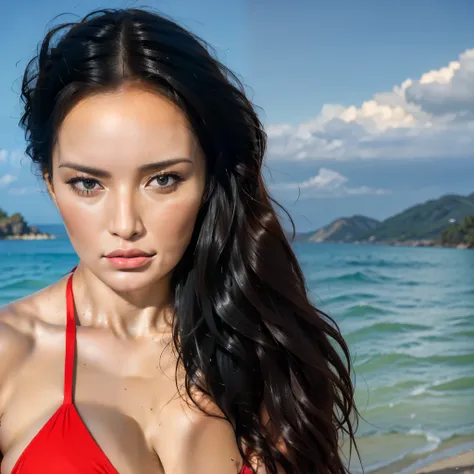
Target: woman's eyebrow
[(156, 166)]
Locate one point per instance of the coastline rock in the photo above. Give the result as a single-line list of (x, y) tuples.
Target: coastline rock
[(15, 227), (39, 236)]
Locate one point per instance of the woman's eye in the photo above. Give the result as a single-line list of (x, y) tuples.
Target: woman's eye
[(88, 184), (83, 186), (166, 180)]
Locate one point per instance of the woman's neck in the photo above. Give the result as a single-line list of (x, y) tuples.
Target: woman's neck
[(139, 314)]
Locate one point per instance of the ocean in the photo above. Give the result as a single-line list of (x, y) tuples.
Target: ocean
[(407, 314)]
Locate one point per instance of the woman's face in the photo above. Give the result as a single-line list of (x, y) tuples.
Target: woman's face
[(128, 174)]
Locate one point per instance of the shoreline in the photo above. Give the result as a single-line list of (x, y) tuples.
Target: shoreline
[(417, 243), (462, 463), (454, 456), (394, 243), (42, 236)]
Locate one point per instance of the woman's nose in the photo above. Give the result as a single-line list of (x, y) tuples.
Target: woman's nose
[(125, 221)]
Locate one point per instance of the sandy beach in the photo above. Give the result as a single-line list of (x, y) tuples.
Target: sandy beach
[(459, 464)]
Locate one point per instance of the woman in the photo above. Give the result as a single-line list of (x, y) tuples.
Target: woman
[(191, 345)]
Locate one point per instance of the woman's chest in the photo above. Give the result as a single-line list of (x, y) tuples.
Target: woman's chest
[(119, 389)]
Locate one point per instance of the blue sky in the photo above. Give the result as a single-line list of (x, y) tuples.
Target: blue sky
[(369, 106)]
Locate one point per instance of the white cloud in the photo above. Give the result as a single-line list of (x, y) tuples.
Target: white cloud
[(23, 191), (12, 158), (428, 117), (6, 179), (17, 155), (449, 90), (327, 184)]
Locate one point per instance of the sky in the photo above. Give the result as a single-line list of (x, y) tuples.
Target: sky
[(368, 106)]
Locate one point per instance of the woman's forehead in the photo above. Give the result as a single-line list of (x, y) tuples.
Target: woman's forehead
[(135, 126)]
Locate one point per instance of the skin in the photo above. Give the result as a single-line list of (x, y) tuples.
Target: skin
[(125, 384)]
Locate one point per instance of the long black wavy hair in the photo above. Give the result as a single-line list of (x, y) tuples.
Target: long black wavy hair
[(244, 328)]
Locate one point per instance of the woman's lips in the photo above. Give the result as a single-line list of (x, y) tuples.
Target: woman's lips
[(132, 258), (129, 262)]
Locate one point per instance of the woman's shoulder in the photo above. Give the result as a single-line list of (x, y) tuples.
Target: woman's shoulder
[(193, 441), (16, 339), (20, 322)]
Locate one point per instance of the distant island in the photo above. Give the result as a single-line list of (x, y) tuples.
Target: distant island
[(445, 222), (14, 227)]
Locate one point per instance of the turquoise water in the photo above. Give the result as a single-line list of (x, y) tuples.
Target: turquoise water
[(407, 314)]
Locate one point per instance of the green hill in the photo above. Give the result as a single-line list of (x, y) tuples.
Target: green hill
[(424, 221), (346, 229)]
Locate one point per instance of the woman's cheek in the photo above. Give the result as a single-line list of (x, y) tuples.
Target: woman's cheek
[(80, 223), (175, 221)]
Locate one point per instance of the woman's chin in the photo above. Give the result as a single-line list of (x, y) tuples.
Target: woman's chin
[(130, 284), (131, 281)]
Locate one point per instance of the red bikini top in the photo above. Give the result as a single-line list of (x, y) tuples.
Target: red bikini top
[(64, 445)]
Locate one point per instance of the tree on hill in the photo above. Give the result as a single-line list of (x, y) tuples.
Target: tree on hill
[(460, 233)]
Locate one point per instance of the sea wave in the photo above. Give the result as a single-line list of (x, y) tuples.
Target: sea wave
[(404, 360), (458, 384), (348, 297), (379, 329), (23, 284), (358, 277), (391, 264)]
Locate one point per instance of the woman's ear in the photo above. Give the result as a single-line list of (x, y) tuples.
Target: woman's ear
[(49, 184)]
